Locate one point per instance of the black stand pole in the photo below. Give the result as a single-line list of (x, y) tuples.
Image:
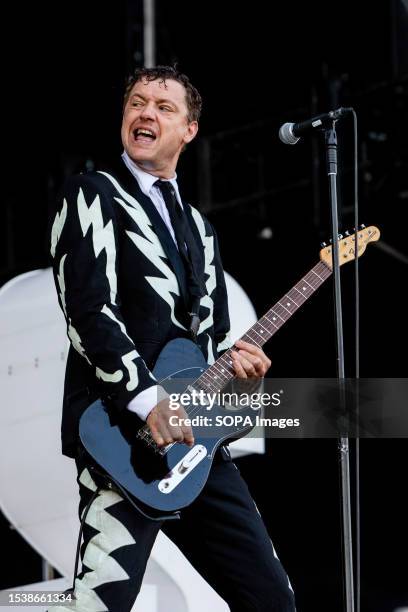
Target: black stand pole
[(331, 151)]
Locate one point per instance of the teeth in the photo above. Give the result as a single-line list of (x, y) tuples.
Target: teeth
[(144, 132)]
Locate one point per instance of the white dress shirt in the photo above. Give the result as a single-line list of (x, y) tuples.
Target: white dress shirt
[(143, 403)]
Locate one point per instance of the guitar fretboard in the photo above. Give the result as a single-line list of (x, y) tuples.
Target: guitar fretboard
[(218, 375), (221, 372)]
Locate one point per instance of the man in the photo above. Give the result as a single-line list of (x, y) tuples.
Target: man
[(135, 267)]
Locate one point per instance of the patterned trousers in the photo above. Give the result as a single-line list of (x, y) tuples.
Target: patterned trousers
[(222, 535)]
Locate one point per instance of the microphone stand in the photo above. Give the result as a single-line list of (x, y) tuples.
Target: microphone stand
[(343, 447)]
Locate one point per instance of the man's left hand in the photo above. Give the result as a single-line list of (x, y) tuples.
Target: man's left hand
[(249, 361)]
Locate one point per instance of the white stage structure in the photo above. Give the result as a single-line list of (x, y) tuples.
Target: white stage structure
[(38, 491)]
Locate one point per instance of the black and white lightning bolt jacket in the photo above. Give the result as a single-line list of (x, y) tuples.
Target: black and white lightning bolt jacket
[(122, 287)]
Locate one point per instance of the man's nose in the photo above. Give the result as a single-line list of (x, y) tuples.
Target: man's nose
[(148, 111)]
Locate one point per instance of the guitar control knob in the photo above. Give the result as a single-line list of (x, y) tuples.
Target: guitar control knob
[(323, 244), (183, 467)]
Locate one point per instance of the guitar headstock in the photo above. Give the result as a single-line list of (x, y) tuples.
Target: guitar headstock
[(347, 245)]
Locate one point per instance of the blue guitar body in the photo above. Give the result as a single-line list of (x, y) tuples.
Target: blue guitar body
[(158, 482), (166, 482)]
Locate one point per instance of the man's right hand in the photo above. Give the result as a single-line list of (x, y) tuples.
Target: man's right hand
[(163, 433)]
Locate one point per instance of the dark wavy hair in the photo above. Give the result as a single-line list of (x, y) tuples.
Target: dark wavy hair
[(193, 98)]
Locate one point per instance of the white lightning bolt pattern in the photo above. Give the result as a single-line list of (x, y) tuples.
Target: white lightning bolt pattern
[(273, 549), (225, 344), (209, 270), (107, 311), (210, 353), (75, 337), (129, 363), (128, 358), (61, 283), (106, 377), (102, 236), (76, 341), (150, 246), (104, 568), (72, 332), (165, 287), (57, 227)]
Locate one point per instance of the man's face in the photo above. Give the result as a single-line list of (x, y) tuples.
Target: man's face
[(155, 127)]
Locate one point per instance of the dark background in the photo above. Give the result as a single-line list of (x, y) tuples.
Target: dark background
[(256, 65)]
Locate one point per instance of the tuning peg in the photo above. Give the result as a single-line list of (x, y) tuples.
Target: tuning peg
[(340, 236), (330, 240), (323, 245), (362, 226), (347, 233)]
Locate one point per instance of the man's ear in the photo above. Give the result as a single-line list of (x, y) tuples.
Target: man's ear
[(191, 132)]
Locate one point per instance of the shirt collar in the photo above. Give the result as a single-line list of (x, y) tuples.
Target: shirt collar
[(146, 180)]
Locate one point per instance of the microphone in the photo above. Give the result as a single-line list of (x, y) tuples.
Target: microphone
[(290, 133)]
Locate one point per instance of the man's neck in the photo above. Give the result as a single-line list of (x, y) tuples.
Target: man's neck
[(162, 173)]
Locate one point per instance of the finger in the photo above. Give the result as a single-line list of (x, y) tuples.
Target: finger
[(247, 364), (251, 348), (187, 431), (164, 433), (256, 351), (237, 365), (176, 433), (258, 363), (188, 435), (156, 435)]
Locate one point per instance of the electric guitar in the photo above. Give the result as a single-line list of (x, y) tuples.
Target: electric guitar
[(166, 479)]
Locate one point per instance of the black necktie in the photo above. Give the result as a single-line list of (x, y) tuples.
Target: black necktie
[(186, 245)]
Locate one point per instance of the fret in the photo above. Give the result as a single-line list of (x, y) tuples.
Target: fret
[(267, 326), (322, 279), (251, 331), (282, 312), (284, 308), (225, 371), (196, 387), (260, 333), (226, 359), (222, 371), (305, 288), (300, 293), (206, 381), (274, 324), (263, 326), (311, 286), (212, 387), (292, 300), (324, 269), (276, 313)]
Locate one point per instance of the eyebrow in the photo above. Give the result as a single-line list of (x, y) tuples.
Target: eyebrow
[(161, 101)]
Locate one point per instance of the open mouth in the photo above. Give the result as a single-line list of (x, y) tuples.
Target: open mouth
[(144, 135)]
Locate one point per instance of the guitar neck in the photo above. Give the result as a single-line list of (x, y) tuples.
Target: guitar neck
[(221, 372)]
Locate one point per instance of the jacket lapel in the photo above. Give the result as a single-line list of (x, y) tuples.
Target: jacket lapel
[(130, 184)]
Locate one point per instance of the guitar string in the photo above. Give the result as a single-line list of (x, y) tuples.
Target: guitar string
[(314, 282), (146, 436)]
